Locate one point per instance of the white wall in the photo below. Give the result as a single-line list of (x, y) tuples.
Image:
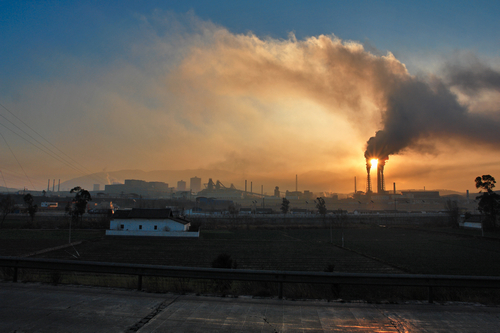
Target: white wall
[(187, 234), (148, 225)]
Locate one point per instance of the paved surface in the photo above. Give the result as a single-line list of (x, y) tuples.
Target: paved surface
[(46, 308)]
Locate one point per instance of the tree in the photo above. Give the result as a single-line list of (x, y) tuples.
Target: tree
[(285, 206), (31, 208), (7, 206), (80, 201), (489, 201), (321, 206)]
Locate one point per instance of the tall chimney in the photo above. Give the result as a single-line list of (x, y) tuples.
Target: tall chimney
[(296, 183), (394, 184), (59, 186), (368, 180), (355, 185), (48, 186), (53, 185), (251, 186), (245, 185), (380, 176)]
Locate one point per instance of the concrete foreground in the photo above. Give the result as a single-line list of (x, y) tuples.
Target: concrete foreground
[(46, 308)]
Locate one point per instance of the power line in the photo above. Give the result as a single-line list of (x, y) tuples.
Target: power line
[(6, 187), (18, 162), (3, 106), (78, 167)]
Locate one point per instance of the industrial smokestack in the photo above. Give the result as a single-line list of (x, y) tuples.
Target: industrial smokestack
[(48, 186), (368, 180), (355, 191), (394, 184), (53, 185), (296, 183), (380, 176), (245, 185), (59, 186), (251, 185)]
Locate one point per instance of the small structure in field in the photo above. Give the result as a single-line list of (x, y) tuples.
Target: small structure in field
[(471, 221), (149, 222)]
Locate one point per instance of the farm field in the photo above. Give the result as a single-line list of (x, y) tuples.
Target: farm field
[(368, 249), (19, 242), (254, 249), (427, 252)]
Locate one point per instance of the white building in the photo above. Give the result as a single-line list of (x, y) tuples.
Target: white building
[(149, 222)]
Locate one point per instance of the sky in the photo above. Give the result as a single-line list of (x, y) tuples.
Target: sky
[(262, 90)]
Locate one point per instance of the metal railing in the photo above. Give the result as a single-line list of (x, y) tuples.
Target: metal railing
[(280, 277)]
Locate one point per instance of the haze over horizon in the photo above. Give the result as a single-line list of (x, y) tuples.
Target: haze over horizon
[(262, 91)]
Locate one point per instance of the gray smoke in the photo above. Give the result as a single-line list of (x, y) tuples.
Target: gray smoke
[(472, 78), (427, 109)]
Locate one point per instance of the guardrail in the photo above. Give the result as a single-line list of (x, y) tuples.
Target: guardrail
[(280, 277)]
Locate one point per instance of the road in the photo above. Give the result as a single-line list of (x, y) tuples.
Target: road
[(47, 308)]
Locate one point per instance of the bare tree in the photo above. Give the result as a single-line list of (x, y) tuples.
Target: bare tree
[(321, 206)]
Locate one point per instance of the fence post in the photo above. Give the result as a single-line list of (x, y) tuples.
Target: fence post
[(431, 296), (139, 282)]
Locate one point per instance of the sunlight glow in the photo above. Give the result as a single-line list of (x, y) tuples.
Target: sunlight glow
[(374, 163)]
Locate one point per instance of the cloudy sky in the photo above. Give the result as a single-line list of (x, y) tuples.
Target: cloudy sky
[(265, 91)]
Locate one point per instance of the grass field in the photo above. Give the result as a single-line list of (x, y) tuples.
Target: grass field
[(397, 250), (367, 248), (19, 242)]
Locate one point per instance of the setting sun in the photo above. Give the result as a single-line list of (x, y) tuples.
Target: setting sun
[(374, 163)]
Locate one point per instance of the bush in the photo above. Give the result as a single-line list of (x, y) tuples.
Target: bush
[(224, 260)]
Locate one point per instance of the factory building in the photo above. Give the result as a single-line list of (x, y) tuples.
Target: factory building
[(138, 187), (181, 185), (195, 184)]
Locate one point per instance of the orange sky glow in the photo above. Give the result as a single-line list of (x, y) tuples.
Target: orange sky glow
[(262, 109)]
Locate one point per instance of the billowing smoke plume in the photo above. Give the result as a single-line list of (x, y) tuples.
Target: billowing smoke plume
[(419, 110), (347, 80)]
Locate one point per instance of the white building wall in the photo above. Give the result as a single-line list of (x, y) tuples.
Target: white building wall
[(147, 225), (187, 234)]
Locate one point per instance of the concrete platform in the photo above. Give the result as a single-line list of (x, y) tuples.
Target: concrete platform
[(46, 308)]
